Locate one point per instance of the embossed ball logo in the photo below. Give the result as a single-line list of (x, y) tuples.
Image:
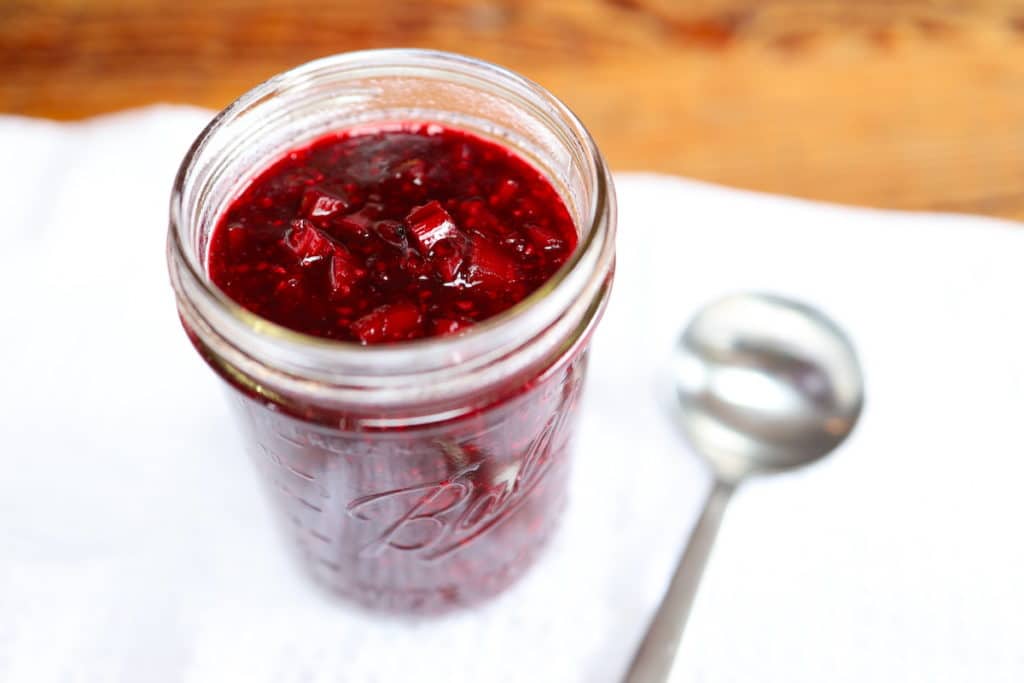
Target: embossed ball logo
[(432, 520)]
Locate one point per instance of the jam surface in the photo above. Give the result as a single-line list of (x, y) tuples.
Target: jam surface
[(391, 233)]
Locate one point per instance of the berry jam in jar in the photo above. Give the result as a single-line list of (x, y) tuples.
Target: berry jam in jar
[(391, 233), (395, 259)]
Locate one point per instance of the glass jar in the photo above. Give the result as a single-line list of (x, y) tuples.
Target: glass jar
[(427, 474)]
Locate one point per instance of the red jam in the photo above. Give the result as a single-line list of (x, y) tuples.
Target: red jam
[(384, 235), (391, 233)]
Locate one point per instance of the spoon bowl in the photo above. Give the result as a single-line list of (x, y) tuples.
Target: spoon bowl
[(765, 384)]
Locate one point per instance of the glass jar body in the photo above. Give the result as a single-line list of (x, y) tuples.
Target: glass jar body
[(428, 517), (424, 475)]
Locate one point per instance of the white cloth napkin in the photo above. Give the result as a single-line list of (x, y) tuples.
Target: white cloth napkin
[(135, 544)]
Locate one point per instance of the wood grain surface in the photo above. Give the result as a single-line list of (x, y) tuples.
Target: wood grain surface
[(895, 103)]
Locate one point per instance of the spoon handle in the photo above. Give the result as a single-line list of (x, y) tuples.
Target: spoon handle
[(653, 660)]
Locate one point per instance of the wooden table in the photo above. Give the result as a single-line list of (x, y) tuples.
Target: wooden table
[(896, 103)]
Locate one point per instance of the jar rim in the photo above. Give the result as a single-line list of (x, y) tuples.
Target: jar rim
[(596, 228)]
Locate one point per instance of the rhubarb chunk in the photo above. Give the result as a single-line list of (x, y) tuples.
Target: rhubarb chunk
[(345, 272), (307, 242), (543, 238), (324, 202), (430, 224), (490, 267), (388, 323), (447, 259)]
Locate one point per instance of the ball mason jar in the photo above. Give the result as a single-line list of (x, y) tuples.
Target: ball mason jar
[(422, 475)]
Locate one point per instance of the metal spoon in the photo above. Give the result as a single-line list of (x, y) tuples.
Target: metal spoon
[(764, 385)]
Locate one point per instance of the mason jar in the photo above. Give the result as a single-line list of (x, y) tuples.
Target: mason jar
[(421, 475)]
